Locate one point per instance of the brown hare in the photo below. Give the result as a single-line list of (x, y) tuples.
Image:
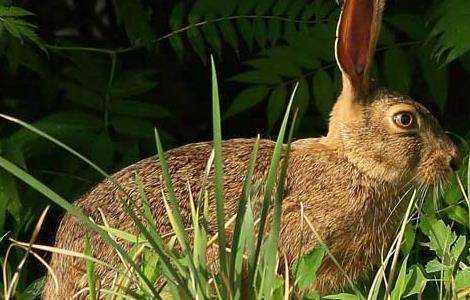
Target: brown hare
[(379, 145)]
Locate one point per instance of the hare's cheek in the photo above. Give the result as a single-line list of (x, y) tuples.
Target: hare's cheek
[(433, 170)]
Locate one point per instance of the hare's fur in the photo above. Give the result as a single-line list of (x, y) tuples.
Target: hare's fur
[(351, 192), (350, 183)]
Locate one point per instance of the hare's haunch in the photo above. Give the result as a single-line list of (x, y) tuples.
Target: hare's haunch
[(350, 182)]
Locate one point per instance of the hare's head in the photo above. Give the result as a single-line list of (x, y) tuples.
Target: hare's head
[(387, 135)]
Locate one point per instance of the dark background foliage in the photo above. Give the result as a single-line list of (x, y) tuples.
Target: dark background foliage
[(100, 74)]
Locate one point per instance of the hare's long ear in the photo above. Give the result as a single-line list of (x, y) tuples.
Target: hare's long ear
[(357, 33)]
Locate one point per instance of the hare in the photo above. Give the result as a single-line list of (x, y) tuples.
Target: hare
[(350, 182)]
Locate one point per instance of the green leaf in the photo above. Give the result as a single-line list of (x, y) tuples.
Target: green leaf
[(133, 83), (307, 267), (90, 270), (276, 105), (400, 282), (278, 63), (323, 92), (434, 266), (457, 214), (133, 127), (136, 21), (13, 11), (457, 248), (451, 29), (176, 22), (302, 99), (257, 77), (409, 241), (102, 151), (411, 24), (441, 238), (196, 40), (415, 281), (229, 33), (212, 35), (34, 289), (260, 32), (247, 99), (462, 280), (435, 76), (83, 96), (342, 296), (139, 109), (245, 26), (397, 70)]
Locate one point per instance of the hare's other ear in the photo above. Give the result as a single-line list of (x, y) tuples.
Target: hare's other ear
[(357, 33)]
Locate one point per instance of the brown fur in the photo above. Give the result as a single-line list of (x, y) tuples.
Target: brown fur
[(349, 183)]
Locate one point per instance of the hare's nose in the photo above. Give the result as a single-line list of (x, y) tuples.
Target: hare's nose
[(455, 159), (455, 162)]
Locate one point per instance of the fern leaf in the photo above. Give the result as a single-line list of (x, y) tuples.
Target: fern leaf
[(451, 29), (13, 11), (136, 21)]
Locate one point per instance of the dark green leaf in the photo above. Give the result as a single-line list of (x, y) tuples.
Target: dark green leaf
[(176, 22), (411, 24), (136, 21), (82, 96), (451, 29), (280, 7), (246, 32), (13, 11), (323, 92), (196, 40), (133, 83), (277, 63), (102, 152), (397, 70), (301, 100), (257, 77), (138, 109), (262, 7), (260, 32), (436, 78), (276, 105), (133, 127), (34, 290), (212, 35), (246, 99), (229, 33)]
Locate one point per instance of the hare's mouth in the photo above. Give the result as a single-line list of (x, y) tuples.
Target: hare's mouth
[(434, 177)]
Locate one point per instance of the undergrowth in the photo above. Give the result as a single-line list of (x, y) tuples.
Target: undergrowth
[(429, 259)]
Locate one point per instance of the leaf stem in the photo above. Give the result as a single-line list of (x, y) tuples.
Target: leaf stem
[(107, 96)]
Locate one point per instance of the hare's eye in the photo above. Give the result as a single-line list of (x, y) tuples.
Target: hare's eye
[(404, 119)]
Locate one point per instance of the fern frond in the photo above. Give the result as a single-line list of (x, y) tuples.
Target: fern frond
[(451, 29), (18, 28), (261, 24)]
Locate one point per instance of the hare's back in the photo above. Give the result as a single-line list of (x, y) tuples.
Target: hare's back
[(187, 166)]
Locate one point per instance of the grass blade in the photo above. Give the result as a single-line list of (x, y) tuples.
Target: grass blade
[(218, 172), (242, 202), (271, 178), (90, 270)]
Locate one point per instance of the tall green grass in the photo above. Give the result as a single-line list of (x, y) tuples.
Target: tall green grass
[(429, 259)]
